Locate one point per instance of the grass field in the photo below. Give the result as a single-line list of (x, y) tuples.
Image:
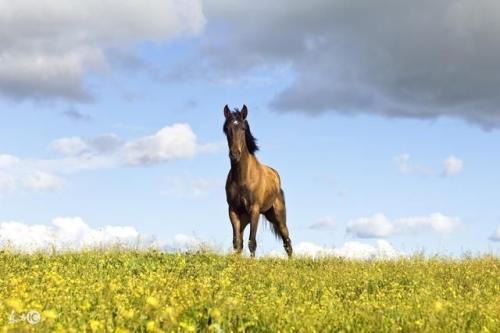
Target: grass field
[(150, 291)]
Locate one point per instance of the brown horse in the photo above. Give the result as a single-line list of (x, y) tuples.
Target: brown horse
[(251, 188)]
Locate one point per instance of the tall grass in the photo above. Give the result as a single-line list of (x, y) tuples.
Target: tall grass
[(150, 291)]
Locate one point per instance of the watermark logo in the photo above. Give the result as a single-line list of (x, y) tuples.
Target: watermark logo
[(31, 317)]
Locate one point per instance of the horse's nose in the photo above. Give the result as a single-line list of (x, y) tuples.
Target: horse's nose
[(234, 155)]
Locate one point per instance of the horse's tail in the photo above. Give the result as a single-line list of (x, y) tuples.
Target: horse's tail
[(274, 228)]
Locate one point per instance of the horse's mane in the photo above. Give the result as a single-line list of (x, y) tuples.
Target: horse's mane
[(251, 141)]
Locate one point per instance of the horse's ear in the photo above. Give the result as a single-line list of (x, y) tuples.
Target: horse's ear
[(244, 111), (227, 112)]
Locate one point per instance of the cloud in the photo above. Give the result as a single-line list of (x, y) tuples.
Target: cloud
[(42, 181), (75, 146), (171, 142), (324, 223), (422, 59), (74, 234), (376, 226), (188, 186), (352, 250), (495, 237), (70, 146), (182, 242), (452, 166), (177, 141), (379, 226), (8, 161), (76, 115), (48, 47), (68, 233), (405, 166), (15, 174)]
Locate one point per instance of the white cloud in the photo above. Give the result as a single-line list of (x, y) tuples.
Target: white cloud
[(42, 181), (352, 250), (182, 242), (70, 146), (16, 174), (171, 142), (7, 182), (326, 222), (437, 222), (68, 233), (371, 227), (405, 166), (495, 237), (452, 166), (49, 46), (7, 161), (379, 226), (74, 234)]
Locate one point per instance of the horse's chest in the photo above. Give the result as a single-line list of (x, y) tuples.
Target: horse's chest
[(240, 197)]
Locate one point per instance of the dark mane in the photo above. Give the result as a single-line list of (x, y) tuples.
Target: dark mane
[(251, 141)]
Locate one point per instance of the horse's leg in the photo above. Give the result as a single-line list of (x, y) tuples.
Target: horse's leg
[(254, 220), (237, 231), (277, 215)]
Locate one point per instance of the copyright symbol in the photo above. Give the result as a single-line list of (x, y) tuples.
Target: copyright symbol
[(33, 317)]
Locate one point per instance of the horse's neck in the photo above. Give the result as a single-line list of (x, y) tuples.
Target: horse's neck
[(242, 169)]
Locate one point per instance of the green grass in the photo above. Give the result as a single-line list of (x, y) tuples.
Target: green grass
[(120, 291)]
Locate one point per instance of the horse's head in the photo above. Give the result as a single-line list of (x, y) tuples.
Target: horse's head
[(237, 130)]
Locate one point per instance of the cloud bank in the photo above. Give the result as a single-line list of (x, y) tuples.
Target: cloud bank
[(74, 234), (379, 226), (68, 233), (350, 250), (324, 223), (48, 47), (421, 59), (16, 174), (451, 166), (170, 143)]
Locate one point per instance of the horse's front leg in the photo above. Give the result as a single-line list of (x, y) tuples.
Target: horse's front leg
[(254, 220), (237, 234)]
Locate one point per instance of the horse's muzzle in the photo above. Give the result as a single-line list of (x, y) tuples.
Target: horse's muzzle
[(235, 156)]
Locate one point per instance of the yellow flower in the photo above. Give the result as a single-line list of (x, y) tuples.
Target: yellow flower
[(150, 300), (438, 306), (49, 314), (15, 304), (150, 326), (121, 330), (215, 314), (129, 314), (86, 305), (94, 325)]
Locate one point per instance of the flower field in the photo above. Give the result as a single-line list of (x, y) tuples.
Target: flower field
[(150, 291)]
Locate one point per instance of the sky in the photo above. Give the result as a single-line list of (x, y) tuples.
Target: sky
[(382, 119)]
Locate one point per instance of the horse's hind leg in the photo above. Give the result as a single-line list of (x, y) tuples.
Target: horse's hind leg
[(277, 216)]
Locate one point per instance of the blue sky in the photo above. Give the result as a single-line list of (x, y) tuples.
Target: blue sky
[(89, 123)]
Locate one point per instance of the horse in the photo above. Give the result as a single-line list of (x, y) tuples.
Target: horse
[(252, 188)]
